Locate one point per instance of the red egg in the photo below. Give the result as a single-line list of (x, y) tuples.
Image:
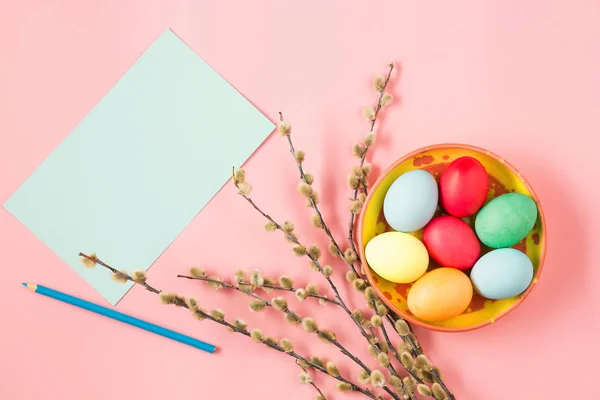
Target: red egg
[(451, 242), (463, 187)]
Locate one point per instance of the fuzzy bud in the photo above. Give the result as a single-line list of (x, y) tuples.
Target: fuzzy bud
[(120, 276), (286, 345), (218, 314), (359, 284), (361, 198), (240, 324), (257, 305), (386, 99), (358, 315), (279, 303), (309, 325), (332, 369), (424, 390), (438, 392), (311, 288), (299, 250), (197, 272), (309, 178), (167, 298), (377, 378), (301, 294), (314, 266), (350, 256), (257, 335), (284, 128), (395, 382), (192, 304), (317, 361), (376, 321), (316, 221), (370, 295), (305, 189), (291, 237), (244, 188), (369, 140), (369, 113), (353, 180), (351, 276), (256, 278), (383, 360), (355, 207), (239, 176), (358, 150), (364, 377), (379, 83), (270, 226), (409, 384), (215, 282), (89, 262), (422, 362), (344, 387), (287, 227), (381, 310), (383, 347), (402, 327), (199, 315), (299, 156), (139, 276), (372, 350), (321, 397), (406, 360), (286, 283), (239, 276), (314, 252), (327, 270), (305, 378)]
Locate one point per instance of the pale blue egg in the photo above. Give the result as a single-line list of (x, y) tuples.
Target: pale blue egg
[(502, 273), (411, 201)]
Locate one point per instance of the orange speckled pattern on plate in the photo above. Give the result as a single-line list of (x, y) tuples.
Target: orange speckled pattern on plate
[(503, 179)]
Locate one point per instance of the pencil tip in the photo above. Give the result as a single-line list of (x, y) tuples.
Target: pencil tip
[(24, 284)]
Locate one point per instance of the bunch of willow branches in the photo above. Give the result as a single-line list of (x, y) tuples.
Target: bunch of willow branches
[(402, 371)]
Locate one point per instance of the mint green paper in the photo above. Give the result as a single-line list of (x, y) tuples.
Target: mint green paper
[(141, 165)]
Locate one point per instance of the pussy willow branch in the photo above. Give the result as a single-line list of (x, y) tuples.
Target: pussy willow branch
[(235, 329), (293, 290), (294, 239), (364, 156), (314, 203), (289, 312)]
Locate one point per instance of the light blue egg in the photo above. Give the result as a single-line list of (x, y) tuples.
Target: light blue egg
[(502, 273), (410, 202)]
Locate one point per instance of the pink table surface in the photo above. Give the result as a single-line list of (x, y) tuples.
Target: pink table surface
[(517, 77)]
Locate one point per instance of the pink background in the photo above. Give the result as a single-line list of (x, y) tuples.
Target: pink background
[(519, 78)]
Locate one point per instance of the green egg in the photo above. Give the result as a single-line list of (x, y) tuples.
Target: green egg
[(506, 220)]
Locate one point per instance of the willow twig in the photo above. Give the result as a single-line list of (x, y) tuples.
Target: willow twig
[(314, 203), (234, 328), (287, 311)]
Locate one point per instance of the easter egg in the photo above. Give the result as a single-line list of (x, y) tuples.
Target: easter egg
[(506, 220), (463, 187), (502, 273), (397, 257), (411, 201), (440, 294), (451, 242)]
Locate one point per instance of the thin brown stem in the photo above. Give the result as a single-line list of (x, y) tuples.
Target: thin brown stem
[(235, 329), (314, 203), (313, 384), (362, 162), (293, 290)]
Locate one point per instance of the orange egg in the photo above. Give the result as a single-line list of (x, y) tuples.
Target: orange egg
[(440, 294)]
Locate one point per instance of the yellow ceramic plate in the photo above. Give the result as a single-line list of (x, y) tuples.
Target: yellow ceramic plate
[(504, 178)]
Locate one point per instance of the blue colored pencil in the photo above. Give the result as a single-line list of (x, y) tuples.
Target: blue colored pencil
[(107, 312)]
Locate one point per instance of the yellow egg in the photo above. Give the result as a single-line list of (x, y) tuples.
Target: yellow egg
[(397, 257), (440, 295)]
